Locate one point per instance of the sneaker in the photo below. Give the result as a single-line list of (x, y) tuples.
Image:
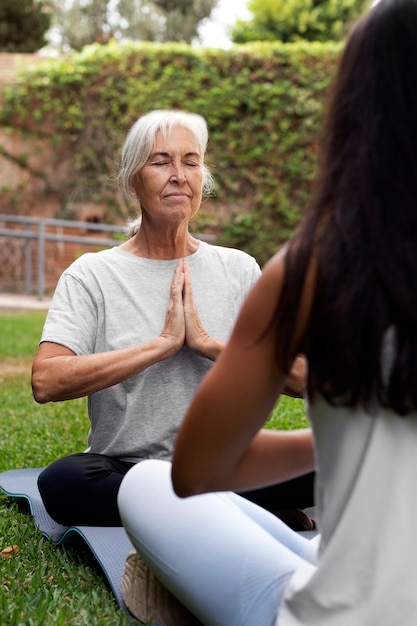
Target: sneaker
[(147, 598)]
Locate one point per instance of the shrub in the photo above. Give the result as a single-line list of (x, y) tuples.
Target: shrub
[(262, 102)]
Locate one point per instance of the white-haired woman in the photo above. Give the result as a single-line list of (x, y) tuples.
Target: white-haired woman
[(136, 327)]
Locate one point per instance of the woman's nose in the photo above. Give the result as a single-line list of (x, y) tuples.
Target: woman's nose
[(178, 173)]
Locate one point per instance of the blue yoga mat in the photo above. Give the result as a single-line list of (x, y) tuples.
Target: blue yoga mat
[(109, 545)]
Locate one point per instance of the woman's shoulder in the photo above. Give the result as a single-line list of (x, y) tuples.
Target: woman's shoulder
[(98, 257), (92, 263), (228, 254)]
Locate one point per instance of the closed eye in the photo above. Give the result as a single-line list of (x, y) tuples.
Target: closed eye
[(186, 163)]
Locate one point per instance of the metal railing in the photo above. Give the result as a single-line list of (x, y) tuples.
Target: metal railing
[(35, 230)]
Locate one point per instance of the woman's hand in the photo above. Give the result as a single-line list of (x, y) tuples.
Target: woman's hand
[(174, 327), (196, 336)]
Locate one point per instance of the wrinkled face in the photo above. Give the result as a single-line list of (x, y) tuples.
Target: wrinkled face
[(169, 186)]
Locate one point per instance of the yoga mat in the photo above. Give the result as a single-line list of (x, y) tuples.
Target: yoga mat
[(108, 544)]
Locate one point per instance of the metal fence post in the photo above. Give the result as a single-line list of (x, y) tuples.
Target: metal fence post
[(28, 264), (41, 259)]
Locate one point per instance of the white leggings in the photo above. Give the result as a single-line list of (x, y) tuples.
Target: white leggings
[(225, 558)]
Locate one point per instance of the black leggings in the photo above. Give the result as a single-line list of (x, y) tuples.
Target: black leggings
[(81, 489)]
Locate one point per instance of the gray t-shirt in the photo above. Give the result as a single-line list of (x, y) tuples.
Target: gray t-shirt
[(112, 299)]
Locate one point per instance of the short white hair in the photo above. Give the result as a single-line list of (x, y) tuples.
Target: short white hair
[(140, 141)]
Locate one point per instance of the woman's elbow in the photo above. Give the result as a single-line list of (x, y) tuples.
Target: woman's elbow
[(188, 481), (184, 483), (40, 396), (40, 388), (181, 487)]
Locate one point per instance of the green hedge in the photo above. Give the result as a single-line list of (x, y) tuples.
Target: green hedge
[(262, 102)]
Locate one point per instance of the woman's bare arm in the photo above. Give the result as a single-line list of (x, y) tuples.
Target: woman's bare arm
[(59, 374), (221, 444)]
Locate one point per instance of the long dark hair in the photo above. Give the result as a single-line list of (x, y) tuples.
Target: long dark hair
[(361, 224)]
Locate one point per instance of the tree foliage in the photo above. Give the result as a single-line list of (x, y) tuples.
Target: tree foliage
[(23, 24), (294, 20), (181, 18), (79, 23), (82, 22)]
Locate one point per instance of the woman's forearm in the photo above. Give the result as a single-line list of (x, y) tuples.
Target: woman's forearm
[(58, 374), (271, 457)]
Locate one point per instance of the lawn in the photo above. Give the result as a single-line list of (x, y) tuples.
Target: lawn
[(42, 584)]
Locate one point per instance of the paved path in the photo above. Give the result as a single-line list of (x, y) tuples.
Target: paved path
[(20, 301)]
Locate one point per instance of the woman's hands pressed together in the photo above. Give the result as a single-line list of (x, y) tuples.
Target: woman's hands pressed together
[(174, 327), (59, 374), (182, 322)]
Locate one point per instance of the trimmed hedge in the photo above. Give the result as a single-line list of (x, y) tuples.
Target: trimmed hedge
[(262, 102)]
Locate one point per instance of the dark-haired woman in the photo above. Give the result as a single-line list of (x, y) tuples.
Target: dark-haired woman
[(344, 292)]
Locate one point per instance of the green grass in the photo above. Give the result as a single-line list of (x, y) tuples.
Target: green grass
[(42, 584), (20, 332)]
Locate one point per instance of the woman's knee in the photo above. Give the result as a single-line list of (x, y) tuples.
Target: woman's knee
[(144, 488), (58, 477), (82, 489)]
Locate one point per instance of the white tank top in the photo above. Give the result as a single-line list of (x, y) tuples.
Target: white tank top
[(366, 495)]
